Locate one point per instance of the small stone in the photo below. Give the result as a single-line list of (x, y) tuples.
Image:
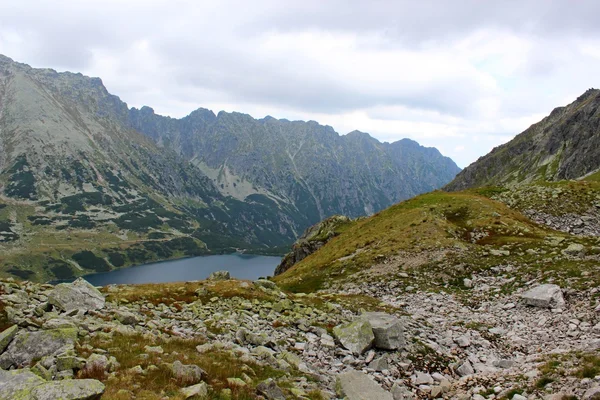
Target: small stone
[(465, 369), (269, 390), (7, 336)]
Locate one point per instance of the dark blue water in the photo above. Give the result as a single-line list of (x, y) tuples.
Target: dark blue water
[(241, 266)]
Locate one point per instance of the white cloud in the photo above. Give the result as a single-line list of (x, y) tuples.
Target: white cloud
[(462, 76)]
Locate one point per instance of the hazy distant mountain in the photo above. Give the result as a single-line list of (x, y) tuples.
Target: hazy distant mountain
[(564, 145), (82, 190)]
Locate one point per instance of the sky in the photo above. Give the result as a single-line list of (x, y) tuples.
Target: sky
[(462, 76)]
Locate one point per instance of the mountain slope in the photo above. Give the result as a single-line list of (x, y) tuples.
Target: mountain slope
[(300, 163), (564, 145), (76, 178)]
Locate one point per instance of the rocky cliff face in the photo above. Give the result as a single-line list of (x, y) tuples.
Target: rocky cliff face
[(300, 163), (564, 145), (312, 240)]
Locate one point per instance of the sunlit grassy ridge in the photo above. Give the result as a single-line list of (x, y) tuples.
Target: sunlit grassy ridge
[(437, 220)]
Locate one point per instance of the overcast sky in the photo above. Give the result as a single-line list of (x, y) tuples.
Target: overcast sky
[(462, 76)]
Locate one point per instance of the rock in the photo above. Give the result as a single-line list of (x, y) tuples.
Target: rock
[(236, 382), (96, 363), (269, 390), (265, 283), (24, 384), (154, 349), (199, 390), (387, 329), (463, 341), (126, 317), (504, 364), (574, 249), (401, 392), (77, 295), (356, 336), (7, 336), (67, 362), (29, 346), (72, 389), (546, 296), (465, 369), (518, 397), (592, 394), (187, 373), (468, 283), (18, 383), (379, 364), (219, 276), (499, 253), (422, 378), (355, 385)]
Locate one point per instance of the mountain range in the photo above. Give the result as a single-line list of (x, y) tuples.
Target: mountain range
[(88, 184)]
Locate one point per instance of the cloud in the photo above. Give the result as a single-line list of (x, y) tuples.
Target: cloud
[(461, 75)]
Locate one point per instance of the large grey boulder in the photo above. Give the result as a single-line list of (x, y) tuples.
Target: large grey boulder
[(355, 385), (545, 296), (188, 374), (18, 383), (29, 346), (70, 389), (6, 336), (220, 276), (356, 336), (79, 295), (25, 385), (388, 330)]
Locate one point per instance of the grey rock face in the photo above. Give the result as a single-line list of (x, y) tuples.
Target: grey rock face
[(355, 385), (356, 336), (6, 336), (545, 296), (79, 295), (564, 145), (220, 276), (28, 346), (388, 330), (17, 383)]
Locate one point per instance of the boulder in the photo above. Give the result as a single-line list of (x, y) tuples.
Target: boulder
[(269, 390), (355, 336), (355, 385), (126, 317), (545, 296), (17, 383), (592, 394), (401, 392), (387, 329), (24, 384), (6, 336), (29, 346), (265, 283), (70, 389), (187, 373), (199, 390), (465, 369), (79, 295), (220, 276)]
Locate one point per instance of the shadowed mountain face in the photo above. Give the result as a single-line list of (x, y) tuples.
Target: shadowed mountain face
[(300, 163), (82, 190), (564, 145)]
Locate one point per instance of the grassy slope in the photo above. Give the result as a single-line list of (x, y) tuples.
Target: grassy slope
[(465, 225)]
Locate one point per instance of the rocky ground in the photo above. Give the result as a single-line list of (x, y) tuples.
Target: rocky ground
[(224, 338)]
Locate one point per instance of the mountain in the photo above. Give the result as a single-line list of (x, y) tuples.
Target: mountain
[(564, 145), (82, 190), (303, 164)]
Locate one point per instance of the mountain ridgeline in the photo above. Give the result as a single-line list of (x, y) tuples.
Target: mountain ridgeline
[(88, 185), (564, 145), (302, 164)]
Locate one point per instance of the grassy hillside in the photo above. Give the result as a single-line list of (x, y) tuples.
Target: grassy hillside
[(438, 239)]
